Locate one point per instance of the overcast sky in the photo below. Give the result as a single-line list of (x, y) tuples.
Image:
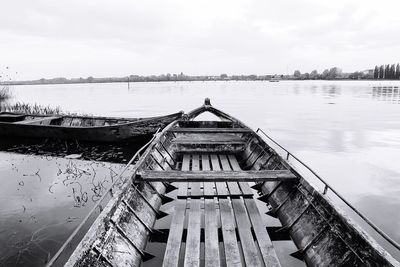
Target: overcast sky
[(75, 38)]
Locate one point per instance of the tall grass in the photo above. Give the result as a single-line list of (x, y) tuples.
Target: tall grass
[(35, 109), (4, 93), (32, 109)]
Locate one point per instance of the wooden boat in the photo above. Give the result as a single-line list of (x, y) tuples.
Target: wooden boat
[(95, 129), (215, 217)]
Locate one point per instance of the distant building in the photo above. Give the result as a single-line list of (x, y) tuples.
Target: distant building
[(368, 72)]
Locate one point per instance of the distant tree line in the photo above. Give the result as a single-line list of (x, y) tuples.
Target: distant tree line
[(382, 72), (151, 78), (327, 74), (388, 72)]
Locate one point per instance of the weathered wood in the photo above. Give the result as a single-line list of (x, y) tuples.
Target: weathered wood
[(207, 124), (208, 187), (232, 254), (221, 187), (211, 130), (211, 241), (264, 242), (242, 220), (38, 121), (213, 176), (207, 139), (195, 187), (192, 252), (232, 186), (84, 128), (182, 187), (246, 237), (213, 195), (171, 256), (234, 163)]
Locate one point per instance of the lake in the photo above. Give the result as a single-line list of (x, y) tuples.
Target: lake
[(347, 131)]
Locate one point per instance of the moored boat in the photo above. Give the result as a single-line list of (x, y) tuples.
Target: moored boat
[(95, 129), (215, 216)]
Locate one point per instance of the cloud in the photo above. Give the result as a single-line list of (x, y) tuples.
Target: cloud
[(102, 38)]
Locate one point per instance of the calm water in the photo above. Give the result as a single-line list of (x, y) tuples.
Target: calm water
[(349, 132)]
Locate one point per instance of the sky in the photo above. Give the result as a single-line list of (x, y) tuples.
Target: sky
[(103, 38)]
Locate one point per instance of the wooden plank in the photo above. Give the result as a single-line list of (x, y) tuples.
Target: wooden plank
[(243, 223), (234, 162), (208, 187), (171, 256), (232, 186), (222, 141), (192, 253), (212, 176), (182, 187), (246, 238), (210, 196), (207, 124), (185, 162), (210, 130), (215, 162), (211, 242), (221, 187), (195, 186), (231, 248), (244, 186), (264, 242)]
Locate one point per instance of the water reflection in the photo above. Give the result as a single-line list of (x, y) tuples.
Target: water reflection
[(42, 200), (389, 94), (120, 152)]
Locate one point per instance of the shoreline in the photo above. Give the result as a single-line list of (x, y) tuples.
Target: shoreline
[(216, 80)]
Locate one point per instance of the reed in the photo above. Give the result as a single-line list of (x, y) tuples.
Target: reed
[(4, 93), (32, 109)]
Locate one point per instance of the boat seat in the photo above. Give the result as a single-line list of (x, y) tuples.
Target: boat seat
[(207, 139), (211, 130), (220, 176), (38, 121)]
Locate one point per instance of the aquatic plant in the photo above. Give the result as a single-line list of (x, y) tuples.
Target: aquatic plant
[(37, 109), (4, 93), (32, 109)]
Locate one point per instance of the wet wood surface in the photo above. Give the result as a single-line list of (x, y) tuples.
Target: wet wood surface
[(212, 176)]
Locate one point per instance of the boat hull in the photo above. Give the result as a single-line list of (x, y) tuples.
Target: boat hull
[(109, 133)]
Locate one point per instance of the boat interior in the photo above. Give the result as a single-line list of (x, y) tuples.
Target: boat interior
[(199, 194)]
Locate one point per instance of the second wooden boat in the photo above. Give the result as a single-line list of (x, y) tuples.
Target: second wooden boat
[(215, 219), (94, 129)]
